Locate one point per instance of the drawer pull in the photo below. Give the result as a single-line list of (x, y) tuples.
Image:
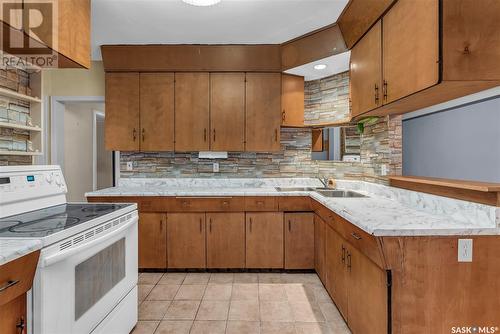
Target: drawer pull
[(225, 203), (200, 225), (21, 325), (343, 254), (260, 202), (349, 264), (8, 285), (289, 226), (355, 236), (250, 225), (210, 226)]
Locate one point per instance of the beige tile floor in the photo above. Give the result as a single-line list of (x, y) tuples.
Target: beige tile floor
[(237, 303)]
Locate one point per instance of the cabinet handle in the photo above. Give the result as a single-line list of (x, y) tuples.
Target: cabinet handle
[(8, 285), (225, 203), (343, 254), (260, 202), (376, 94), (21, 325), (134, 134), (143, 134), (385, 91), (250, 225), (355, 236), (214, 135), (289, 226), (275, 135), (205, 134), (283, 116), (200, 225), (161, 225), (349, 264)]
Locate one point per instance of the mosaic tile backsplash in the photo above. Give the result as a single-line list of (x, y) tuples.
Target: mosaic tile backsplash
[(326, 100)]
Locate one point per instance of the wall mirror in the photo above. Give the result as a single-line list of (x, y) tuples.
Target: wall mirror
[(339, 143)]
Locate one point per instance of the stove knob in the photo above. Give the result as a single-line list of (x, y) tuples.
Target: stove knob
[(49, 178), (58, 180)]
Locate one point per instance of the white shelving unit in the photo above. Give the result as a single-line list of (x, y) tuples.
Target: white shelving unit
[(36, 113)]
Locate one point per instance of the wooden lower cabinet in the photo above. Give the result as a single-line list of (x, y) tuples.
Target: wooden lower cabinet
[(320, 247), (299, 240), (264, 240), (186, 240), (336, 270), (226, 240), (13, 316), (152, 241)]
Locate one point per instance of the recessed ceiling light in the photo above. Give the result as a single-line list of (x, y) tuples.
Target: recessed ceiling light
[(319, 67), (203, 3)]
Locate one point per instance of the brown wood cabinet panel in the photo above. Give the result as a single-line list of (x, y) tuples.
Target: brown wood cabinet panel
[(292, 100), (263, 112), (227, 111), (152, 241), (337, 280), (366, 72), (317, 140), (294, 203), (192, 111), (367, 296), (264, 240), (186, 240), (21, 270), (207, 204), (299, 240), (320, 247), (359, 16), (157, 111), (261, 203), (410, 48), (122, 112), (226, 240), (12, 315), (471, 39)]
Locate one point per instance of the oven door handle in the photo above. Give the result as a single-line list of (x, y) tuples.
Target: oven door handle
[(50, 260)]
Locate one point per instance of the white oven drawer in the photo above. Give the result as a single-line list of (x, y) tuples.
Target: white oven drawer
[(78, 284)]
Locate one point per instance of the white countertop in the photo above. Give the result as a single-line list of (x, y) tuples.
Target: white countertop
[(11, 249), (387, 211)]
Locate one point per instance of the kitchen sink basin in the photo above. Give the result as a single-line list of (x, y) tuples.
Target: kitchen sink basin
[(339, 193), (299, 188)]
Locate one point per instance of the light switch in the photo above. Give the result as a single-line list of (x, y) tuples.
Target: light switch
[(464, 250), (216, 167), (130, 165)]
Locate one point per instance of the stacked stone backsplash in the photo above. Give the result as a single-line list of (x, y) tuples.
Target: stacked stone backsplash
[(326, 100)]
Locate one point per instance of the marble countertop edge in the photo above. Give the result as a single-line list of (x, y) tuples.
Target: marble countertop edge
[(12, 249)]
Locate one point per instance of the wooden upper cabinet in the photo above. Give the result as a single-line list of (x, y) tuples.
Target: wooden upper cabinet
[(152, 241), (227, 111), (192, 110), (263, 112), (122, 112), (186, 240), (299, 240), (292, 100), (226, 240), (264, 240), (157, 111), (367, 295), (366, 72), (410, 48)]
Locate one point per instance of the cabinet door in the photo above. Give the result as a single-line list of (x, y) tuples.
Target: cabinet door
[(122, 112), (366, 72), (186, 240), (12, 315), (320, 247), (227, 111), (192, 111), (299, 240), (292, 100), (336, 271), (263, 115), (264, 240), (367, 309), (411, 47), (152, 241), (226, 240), (157, 111)]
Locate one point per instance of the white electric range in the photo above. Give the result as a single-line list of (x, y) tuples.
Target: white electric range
[(86, 278)]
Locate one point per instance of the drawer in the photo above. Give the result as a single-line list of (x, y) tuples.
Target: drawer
[(16, 277), (326, 214), (207, 204), (261, 203), (294, 203), (364, 242)]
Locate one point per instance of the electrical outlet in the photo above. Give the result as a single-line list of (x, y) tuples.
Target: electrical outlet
[(464, 250), (216, 167), (130, 165), (383, 170)]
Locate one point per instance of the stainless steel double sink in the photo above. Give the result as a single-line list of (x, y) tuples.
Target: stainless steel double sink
[(327, 192)]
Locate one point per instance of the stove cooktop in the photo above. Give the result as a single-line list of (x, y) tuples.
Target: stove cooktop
[(44, 222)]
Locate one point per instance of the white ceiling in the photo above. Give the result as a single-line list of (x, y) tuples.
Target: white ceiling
[(334, 64), (229, 22)]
